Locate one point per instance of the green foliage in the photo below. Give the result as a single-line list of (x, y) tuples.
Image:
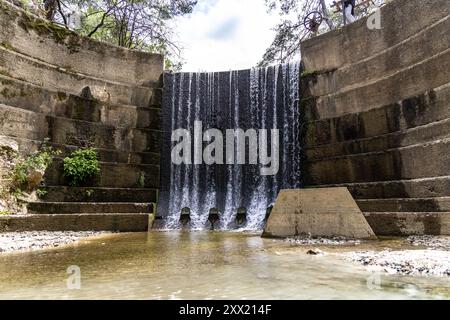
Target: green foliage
[(82, 165), (5, 213), (307, 73), (292, 29), (134, 24), (17, 193), (38, 161), (41, 193), (5, 73)]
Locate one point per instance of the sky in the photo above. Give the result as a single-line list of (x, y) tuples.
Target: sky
[(222, 35)]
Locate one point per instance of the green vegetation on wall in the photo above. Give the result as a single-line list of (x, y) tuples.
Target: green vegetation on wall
[(81, 166), (39, 161), (20, 176)]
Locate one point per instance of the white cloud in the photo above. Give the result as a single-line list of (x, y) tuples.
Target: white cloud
[(223, 35)]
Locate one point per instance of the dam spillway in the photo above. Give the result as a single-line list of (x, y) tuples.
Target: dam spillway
[(256, 99)]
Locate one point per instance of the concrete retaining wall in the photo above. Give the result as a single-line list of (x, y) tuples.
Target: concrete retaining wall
[(377, 110), (44, 74)]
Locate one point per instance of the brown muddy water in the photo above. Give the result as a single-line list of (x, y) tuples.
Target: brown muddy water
[(204, 265)]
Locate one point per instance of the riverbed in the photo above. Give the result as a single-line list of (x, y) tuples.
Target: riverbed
[(209, 265)]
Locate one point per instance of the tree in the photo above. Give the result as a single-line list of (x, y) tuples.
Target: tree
[(133, 24), (292, 30)]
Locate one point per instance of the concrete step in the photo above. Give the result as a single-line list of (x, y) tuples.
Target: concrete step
[(113, 175), (27, 146), (131, 222), (54, 44), (421, 110), (405, 205), (352, 43), (88, 207), (416, 188), (21, 94), (386, 62), (415, 79), (30, 125), (406, 163), (404, 224), (15, 122), (419, 135), (19, 66), (116, 156), (73, 194), (81, 133)]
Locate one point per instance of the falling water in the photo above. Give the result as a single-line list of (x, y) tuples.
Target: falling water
[(265, 98)]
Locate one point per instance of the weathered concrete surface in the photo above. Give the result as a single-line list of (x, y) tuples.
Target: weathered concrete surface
[(409, 223), (355, 42), (27, 146), (56, 78), (34, 37), (23, 95), (327, 212), (376, 107), (77, 92), (415, 188), (113, 175), (89, 207), (438, 204), (76, 222), (65, 131), (97, 194)]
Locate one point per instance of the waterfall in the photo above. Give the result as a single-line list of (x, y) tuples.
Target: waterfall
[(260, 98)]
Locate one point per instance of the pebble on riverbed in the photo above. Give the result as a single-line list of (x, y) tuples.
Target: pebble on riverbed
[(435, 242), (27, 241), (408, 262), (310, 241)]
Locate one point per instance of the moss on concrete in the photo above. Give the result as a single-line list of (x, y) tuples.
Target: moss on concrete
[(42, 27), (304, 103), (6, 82), (5, 92), (307, 74), (6, 73), (7, 45)]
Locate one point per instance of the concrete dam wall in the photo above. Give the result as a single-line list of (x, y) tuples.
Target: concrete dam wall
[(377, 110), (78, 92), (262, 101), (375, 117)]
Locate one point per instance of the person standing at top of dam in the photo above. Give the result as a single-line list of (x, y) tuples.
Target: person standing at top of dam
[(349, 10)]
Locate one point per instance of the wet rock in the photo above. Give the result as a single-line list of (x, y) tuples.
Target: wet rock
[(428, 262), (8, 144), (335, 241), (442, 242), (314, 252), (34, 178)]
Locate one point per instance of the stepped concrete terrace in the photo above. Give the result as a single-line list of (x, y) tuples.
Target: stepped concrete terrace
[(377, 109), (44, 74)]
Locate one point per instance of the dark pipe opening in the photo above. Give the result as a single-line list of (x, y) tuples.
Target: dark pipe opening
[(214, 217), (185, 218), (241, 216)]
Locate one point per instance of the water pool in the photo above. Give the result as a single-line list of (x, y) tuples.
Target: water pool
[(203, 265)]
